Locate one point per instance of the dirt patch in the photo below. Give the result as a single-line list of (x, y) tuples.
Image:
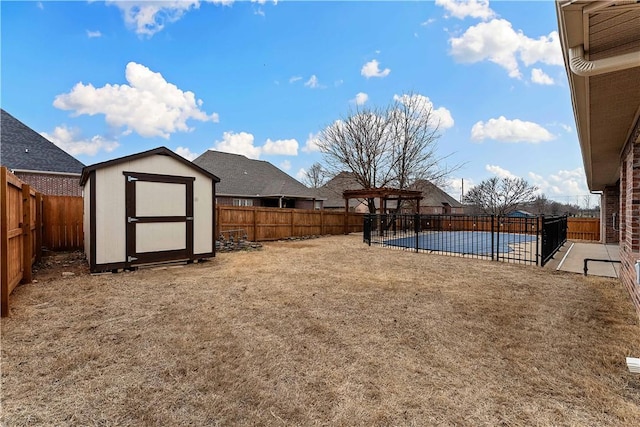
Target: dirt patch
[(322, 332), (60, 264)]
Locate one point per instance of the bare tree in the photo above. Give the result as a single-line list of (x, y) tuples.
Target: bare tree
[(315, 176), (414, 133), (500, 196), (392, 146), (359, 144)]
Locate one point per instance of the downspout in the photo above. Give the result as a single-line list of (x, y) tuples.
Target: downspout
[(582, 67)]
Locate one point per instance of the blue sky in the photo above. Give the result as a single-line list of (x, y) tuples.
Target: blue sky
[(262, 78)]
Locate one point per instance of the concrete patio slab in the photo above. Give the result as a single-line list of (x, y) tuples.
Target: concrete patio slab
[(572, 255)]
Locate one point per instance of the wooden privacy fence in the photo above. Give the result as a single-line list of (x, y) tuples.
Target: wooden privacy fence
[(263, 224), (20, 234), (62, 223), (583, 229)]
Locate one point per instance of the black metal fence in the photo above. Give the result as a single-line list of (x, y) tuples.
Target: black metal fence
[(525, 240)]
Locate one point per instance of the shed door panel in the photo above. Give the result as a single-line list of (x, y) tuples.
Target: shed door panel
[(159, 217), (160, 199)]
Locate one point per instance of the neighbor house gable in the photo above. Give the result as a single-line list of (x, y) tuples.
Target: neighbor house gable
[(36, 160)]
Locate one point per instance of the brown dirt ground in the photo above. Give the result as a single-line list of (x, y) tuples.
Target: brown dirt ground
[(320, 332)]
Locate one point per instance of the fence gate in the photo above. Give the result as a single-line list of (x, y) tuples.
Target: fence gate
[(159, 210)]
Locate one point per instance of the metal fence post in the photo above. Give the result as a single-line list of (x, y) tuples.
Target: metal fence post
[(493, 250), (416, 224)]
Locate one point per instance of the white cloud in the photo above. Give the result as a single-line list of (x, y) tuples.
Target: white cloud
[(313, 82), (498, 42), (463, 8), (186, 153), (70, 140), (441, 115), (294, 79), (285, 165), (148, 105), (428, 22), (93, 34), (301, 174), (312, 143), (285, 147), (540, 77), (148, 17), (499, 172), (360, 98), (238, 143), (505, 130), (454, 186), (372, 69), (338, 83), (564, 183)]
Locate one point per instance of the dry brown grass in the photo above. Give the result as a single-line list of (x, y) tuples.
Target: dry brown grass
[(322, 332)]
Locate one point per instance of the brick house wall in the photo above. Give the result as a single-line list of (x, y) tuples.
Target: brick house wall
[(629, 233), (52, 184), (610, 214)]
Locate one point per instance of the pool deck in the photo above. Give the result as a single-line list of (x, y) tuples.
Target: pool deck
[(571, 258)]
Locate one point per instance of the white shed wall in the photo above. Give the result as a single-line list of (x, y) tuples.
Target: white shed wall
[(111, 205)]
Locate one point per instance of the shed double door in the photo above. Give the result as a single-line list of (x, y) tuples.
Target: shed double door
[(159, 215)]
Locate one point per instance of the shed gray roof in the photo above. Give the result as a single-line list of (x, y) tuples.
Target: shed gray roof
[(241, 176), (25, 149)]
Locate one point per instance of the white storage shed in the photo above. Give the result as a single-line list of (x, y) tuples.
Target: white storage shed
[(145, 208)]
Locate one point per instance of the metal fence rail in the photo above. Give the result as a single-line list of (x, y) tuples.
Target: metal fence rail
[(525, 240)]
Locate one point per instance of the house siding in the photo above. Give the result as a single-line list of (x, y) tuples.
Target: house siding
[(629, 233), (52, 184)]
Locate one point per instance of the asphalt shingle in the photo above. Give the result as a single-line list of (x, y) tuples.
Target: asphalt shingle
[(23, 148), (241, 176)]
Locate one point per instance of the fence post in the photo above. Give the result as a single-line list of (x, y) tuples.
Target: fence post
[(538, 233), (4, 245), (416, 225), (498, 238), (493, 246), (26, 234), (39, 226)]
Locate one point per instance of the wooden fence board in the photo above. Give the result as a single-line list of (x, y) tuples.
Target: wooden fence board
[(263, 224), (19, 249), (583, 229), (62, 223)]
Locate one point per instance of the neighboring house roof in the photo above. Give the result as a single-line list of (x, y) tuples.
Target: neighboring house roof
[(23, 148), (433, 195), (520, 214), (162, 151), (244, 177), (601, 47), (334, 188)]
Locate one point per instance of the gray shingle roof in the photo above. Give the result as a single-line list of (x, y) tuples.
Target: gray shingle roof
[(333, 189), (241, 176), (23, 148), (433, 195)]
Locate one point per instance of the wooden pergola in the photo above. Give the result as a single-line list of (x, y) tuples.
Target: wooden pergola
[(383, 194)]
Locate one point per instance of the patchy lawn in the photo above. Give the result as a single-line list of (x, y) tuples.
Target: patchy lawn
[(327, 332)]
